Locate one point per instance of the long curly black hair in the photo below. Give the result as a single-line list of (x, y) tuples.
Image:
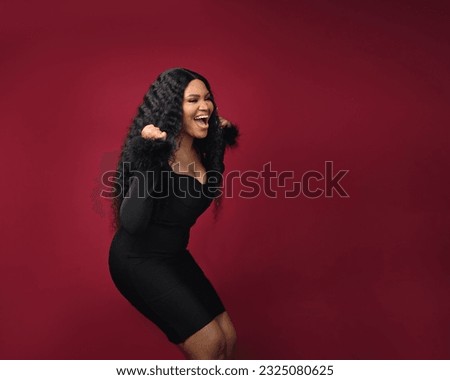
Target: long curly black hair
[(162, 107)]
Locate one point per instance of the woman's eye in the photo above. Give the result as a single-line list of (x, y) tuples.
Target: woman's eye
[(196, 100)]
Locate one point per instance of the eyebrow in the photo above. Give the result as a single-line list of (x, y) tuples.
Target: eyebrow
[(207, 94)]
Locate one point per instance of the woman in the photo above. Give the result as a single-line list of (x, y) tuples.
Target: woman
[(170, 168)]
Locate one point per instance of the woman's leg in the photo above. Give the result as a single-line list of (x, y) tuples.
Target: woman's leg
[(209, 343), (227, 327)]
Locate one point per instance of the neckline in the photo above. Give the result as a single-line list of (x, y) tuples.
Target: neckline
[(188, 175)]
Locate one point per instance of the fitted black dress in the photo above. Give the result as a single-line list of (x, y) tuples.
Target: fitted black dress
[(149, 261)]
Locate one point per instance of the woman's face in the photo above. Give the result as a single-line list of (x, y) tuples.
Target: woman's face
[(197, 109)]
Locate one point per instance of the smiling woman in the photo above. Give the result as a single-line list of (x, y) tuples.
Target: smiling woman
[(197, 108), (177, 131)]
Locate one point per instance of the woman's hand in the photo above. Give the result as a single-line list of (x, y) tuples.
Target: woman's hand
[(224, 122), (152, 132)]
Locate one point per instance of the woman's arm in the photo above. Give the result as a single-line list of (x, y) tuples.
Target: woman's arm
[(147, 157)]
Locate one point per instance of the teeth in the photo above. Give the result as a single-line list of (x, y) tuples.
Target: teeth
[(201, 117)]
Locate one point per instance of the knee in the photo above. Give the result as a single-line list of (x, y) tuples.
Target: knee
[(230, 339), (216, 346), (206, 345)]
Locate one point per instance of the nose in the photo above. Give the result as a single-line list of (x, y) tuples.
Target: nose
[(204, 106)]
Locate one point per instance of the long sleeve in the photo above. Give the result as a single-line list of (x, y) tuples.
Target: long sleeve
[(136, 207), (147, 158)]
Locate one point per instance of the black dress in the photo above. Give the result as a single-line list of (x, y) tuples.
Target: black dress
[(148, 259)]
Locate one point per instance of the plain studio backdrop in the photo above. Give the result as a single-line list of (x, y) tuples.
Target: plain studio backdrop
[(362, 84)]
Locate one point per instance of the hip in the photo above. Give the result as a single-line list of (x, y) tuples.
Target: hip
[(153, 243)]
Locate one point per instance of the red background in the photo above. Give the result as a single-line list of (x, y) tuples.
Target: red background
[(362, 84)]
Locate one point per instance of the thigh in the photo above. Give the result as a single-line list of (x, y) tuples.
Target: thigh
[(206, 343), (174, 293), (226, 325)]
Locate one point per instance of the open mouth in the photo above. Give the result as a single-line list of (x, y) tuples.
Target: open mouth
[(202, 120)]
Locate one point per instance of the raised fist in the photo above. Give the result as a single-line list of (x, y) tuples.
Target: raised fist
[(152, 132), (224, 122)]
